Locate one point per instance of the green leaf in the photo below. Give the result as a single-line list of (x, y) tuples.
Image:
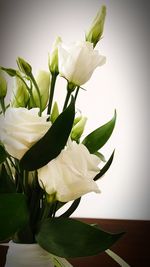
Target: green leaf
[(49, 147), (13, 214), (97, 139), (6, 183), (66, 237), (105, 168), (3, 154)]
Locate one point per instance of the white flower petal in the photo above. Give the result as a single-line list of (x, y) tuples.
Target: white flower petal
[(71, 174), (78, 61), (21, 128)]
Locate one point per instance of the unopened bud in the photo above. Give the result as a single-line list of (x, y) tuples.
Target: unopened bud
[(53, 57), (55, 112), (43, 82), (20, 94), (78, 129), (24, 66), (96, 30), (9, 71), (3, 86), (76, 120)]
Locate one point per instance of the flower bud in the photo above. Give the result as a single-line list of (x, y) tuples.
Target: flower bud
[(20, 94), (9, 71), (53, 57), (78, 129), (95, 32), (24, 66), (43, 82), (76, 120), (3, 86), (55, 112)]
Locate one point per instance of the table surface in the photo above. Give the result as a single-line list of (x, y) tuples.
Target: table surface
[(133, 247)]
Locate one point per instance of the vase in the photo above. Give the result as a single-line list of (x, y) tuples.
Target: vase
[(32, 255)]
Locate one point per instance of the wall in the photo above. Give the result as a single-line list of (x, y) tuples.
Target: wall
[(28, 29)]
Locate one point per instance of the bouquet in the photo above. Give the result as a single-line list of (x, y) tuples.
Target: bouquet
[(46, 160)]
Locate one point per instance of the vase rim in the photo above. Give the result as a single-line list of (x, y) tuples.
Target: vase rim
[(11, 242)]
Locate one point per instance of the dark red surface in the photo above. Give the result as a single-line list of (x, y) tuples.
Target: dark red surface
[(133, 247)]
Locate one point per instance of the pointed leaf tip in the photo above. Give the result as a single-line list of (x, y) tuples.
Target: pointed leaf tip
[(105, 168), (67, 238), (98, 138)]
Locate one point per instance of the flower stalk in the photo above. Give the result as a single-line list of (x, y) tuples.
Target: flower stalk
[(38, 92), (2, 103), (52, 88), (77, 92), (67, 99), (29, 89)]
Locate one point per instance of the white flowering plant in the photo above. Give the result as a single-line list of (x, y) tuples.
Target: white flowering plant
[(45, 162)]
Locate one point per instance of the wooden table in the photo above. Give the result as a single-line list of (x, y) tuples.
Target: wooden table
[(133, 247)]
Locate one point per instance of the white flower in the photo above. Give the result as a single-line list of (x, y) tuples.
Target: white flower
[(70, 175), (21, 128), (78, 61)]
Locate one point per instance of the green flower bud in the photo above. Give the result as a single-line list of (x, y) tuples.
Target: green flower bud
[(20, 94), (3, 86), (9, 71), (24, 66), (55, 112), (95, 32), (78, 129), (43, 82), (76, 120), (53, 57)]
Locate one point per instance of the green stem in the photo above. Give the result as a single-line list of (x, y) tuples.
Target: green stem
[(35, 202), (12, 163), (2, 102), (53, 81), (76, 93), (9, 169), (26, 182), (46, 211), (28, 88), (55, 208), (19, 178), (38, 92), (19, 182), (67, 99), (23, 81)]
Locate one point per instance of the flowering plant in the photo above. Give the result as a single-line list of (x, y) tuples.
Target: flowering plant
[(45, 161)]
